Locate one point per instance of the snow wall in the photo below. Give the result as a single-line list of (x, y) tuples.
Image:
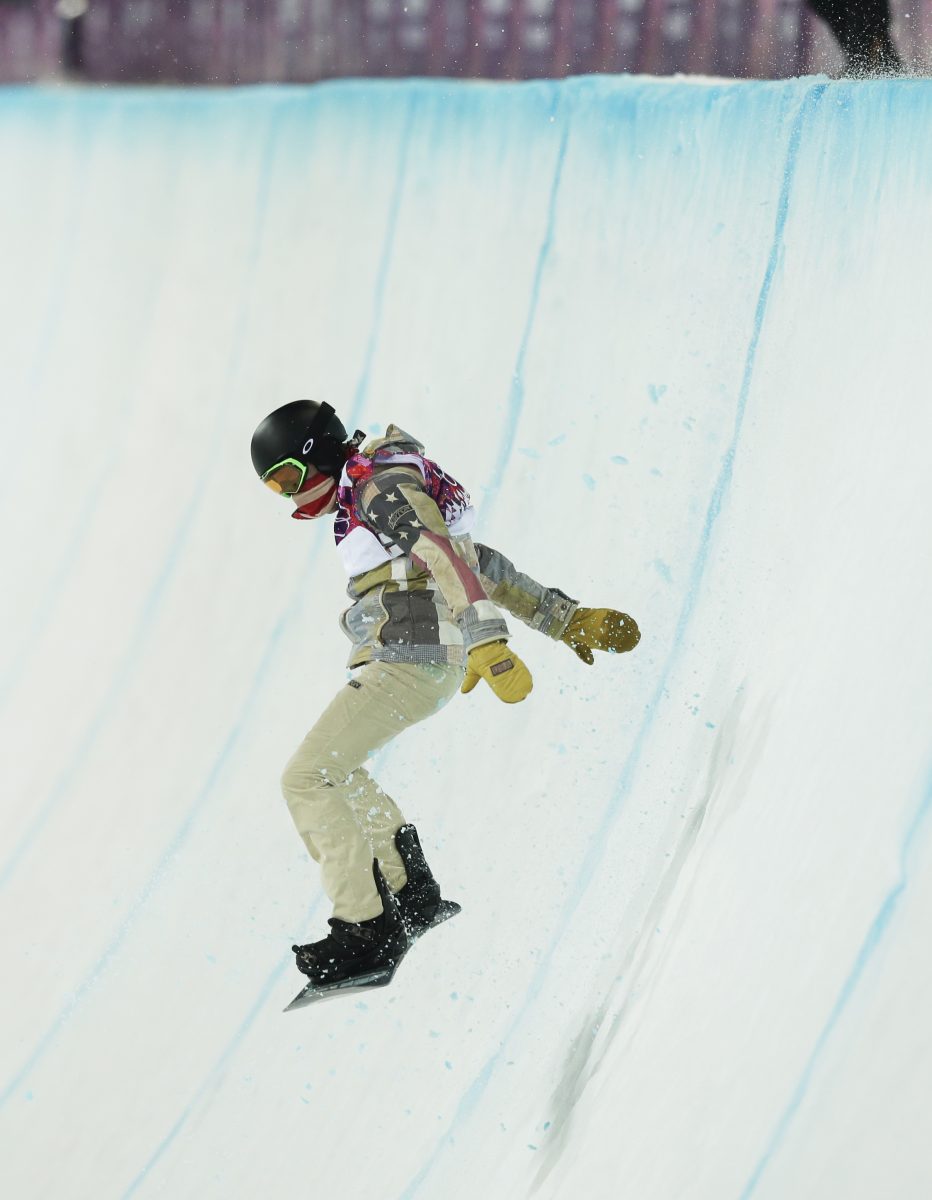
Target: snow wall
[(674, 337)]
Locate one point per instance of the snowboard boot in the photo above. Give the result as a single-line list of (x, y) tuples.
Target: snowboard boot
[(355, 949), (420, 901)]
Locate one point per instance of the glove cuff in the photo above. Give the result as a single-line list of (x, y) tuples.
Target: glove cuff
[(554, 614), (480, 623)]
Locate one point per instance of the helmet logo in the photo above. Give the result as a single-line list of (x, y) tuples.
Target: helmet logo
[(306, 448)]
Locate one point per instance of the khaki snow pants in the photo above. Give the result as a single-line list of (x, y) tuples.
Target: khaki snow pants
[(341, 813)]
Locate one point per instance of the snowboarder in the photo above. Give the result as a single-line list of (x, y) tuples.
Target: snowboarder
[(863, 32), (424, 623)]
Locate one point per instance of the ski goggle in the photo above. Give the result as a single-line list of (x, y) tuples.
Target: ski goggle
[(286, 477)]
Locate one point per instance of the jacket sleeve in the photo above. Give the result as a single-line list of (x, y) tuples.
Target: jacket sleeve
[(394, 504), (547, 610)]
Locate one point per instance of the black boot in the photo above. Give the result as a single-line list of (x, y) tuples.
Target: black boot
[(357, 949), (420, 901)]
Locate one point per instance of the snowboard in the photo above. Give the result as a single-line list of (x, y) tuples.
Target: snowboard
[(313, 993)]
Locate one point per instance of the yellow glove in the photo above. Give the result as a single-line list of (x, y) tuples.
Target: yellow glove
[(502, 670), (600, 629)]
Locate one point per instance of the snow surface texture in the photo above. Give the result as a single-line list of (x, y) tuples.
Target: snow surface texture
[(674, 337)]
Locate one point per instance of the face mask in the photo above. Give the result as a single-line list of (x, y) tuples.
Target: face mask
[(318, 497)]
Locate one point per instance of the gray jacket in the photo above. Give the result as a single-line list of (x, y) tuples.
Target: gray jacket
[(439, 595)]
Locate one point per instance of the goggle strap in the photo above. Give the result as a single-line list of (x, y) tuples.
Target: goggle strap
[(321, 420)]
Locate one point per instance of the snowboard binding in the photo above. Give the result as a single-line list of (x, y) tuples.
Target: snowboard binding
[(357, 956), (422, 906)]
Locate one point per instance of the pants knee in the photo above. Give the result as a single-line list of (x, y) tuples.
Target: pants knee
[(300, 782)]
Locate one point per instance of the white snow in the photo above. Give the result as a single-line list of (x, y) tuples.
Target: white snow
[(675, 340)]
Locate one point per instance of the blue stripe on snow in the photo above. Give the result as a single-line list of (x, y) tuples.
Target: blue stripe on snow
[(355, 416), (234, 740), (123, 674), (215, 1074), (516, 391), (869, 947), (225, 756), (474, 1093), (385, 261)]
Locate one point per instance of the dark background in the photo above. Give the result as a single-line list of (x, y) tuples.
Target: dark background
[(252, 41)]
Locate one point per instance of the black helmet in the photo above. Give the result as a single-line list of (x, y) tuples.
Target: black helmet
[(304, 430)]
